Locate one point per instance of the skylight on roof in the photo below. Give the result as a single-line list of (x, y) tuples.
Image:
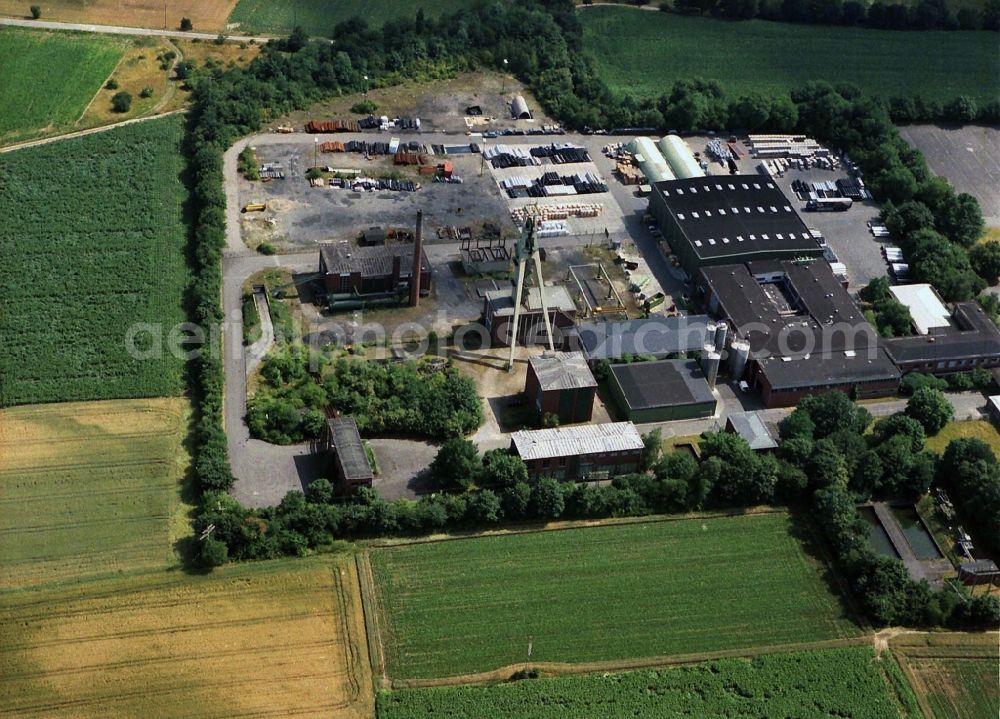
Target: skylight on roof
[(722, 211), (708, 213), (718, 187), (694, 215), (780, 236), (787, 208), (697, 243)]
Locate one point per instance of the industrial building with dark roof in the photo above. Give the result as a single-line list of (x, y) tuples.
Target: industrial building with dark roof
[(561, 384), (370, 270), (971, 340), (721, 220), (657, 337), (796, 331), (350, 461), (662, 391)]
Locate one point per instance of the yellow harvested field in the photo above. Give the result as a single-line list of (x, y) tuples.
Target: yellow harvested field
[(205, 15), (269, 639), (90, 488), (137, 70)]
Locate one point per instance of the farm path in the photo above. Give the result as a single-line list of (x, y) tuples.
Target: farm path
[(256, 352), (171, 84), (121, 30), (264, 472), (83, 133)]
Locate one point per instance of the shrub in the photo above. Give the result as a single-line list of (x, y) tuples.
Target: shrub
[(364, 107), (146, 92), (915, 380), (111, 84), (121, 102), (266, 248), (214, 553), (186, 25), (36, 12)]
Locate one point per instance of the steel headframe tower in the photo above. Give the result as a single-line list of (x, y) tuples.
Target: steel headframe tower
[(527, 250)]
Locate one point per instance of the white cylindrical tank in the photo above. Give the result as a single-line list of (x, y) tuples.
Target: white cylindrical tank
[(680, 157), (739, 355), (710, 365)]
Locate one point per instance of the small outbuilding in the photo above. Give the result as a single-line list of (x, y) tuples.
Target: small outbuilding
[(347, 452), (519, 109), (751, 427), (662, 391), (561, 384)]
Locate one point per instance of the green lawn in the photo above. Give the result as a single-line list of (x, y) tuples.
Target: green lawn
[(92, 242), (603, 593), (49, 78), (645, 53), (806, 685), (318, 17), (982, 429)]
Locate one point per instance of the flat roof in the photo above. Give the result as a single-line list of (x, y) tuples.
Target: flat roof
[(562, 370), (926, 308), (656, 336), (751, 428), (976, 336), (557, 297), (576, 440), (829, 369), (789, 308), (370, 260), (349, 448), (666, 383), (735, 215)]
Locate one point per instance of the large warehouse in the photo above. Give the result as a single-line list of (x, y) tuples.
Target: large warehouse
[(721, 220), (662, 391), (796, 331)]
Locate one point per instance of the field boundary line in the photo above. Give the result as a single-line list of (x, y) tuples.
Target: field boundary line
[(83, 133), (103, 84), (534, 528), (917, 684), (369, 610), (568, 668)]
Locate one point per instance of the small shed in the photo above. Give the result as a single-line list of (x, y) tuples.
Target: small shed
[(445, 169), (980, 571), (519, 109), (993, 407), (751, 427), (373, 236), (347, 452)]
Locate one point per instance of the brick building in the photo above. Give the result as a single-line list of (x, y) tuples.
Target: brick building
[(586, 452), (370, 270), (561, 384)]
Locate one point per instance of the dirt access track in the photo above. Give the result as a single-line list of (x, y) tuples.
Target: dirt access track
[(204, 14)]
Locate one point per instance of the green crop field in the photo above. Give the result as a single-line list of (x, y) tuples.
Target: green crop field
[(49, 78), (318, 17), (602, 593), (644, 53), (842, 682), (90, 488), (92, 241)]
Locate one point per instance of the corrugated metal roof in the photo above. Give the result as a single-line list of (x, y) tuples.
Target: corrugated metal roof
[(562, 370), (349, 448), (926, 308), (581, 439), (750, 427)]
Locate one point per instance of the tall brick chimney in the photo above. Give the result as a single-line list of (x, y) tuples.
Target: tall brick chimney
[(418, 246)]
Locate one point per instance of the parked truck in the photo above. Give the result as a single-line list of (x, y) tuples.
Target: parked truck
[(829, 204)]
